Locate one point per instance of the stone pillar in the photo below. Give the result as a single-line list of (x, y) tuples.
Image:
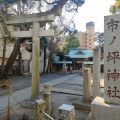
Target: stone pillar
[(96, 72), (87, 85), (66, 112), (35, 61), (108, 108), (40, 106), (47, 87), (47, 97), (112, 60)]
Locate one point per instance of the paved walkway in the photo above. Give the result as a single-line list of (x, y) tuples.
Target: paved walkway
[(64, 89), (24, 94)]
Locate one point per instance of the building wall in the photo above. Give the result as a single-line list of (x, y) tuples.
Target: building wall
[(90, 36), (9, 48), (80, 36), (25, 54), (87, 38)]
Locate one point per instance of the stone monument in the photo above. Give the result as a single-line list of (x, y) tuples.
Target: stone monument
[(64, 69), (108, 108), (112, 59)]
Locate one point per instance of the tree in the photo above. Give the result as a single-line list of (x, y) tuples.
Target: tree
[(71, 42), (43, 45), (115, 8), (53, 48), (99, 40), (20, 7)]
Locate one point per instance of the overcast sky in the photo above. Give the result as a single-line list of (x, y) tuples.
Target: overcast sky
[(93, 10)]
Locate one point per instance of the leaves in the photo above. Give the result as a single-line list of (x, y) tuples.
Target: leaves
[(73, 5), (115, 8), (71, 42)]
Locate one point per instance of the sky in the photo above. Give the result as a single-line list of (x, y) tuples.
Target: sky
[(93, 10)]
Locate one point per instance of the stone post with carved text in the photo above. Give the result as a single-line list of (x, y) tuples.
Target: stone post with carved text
[(112, 59)]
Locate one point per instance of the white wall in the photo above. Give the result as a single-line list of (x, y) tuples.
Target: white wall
[(41, 64)]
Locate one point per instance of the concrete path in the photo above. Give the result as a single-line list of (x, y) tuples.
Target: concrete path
[(24, 94)]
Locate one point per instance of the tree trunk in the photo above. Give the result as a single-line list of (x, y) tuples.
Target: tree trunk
[(44, 60), (3, 57), (29, 63), (49, 64), (12, 58), (20, 71)]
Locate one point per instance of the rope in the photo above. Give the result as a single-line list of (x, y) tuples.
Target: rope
[(15, 113), (47, 115), (14, 110), (16, 101)]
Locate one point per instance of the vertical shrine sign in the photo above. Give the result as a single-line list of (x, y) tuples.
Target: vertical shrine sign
[(112, 59)]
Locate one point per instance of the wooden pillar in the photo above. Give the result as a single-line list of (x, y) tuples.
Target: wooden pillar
[(35, 61), (87, 85), (74, 64)]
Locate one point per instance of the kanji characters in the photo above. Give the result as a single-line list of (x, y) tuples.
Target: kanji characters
[(114, 37), (113, 75), (109, 92), (113, 93), (113, 24), (113, 56)]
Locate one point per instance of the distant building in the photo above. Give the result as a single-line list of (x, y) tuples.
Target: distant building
[(87, 38)]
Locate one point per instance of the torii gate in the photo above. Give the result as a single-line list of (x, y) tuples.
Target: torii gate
[(35, 33)]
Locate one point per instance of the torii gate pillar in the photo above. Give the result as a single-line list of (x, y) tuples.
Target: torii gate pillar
[(35, 61)]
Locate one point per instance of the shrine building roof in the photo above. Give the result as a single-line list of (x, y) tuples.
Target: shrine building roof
[(80, 53)]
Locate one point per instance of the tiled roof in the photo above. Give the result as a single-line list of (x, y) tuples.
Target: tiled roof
[(80, 53), (91, 63)]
